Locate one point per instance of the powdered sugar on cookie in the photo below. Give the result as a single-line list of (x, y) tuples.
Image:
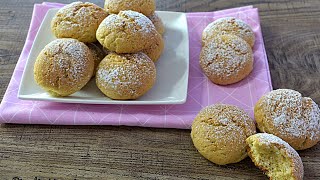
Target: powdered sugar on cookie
[(126, 75), (142, 21), (290, 116), (229, 25), (226, 57)]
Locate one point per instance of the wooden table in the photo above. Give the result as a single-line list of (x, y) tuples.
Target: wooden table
[(292, 36)]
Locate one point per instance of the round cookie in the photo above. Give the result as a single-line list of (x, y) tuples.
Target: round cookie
[(288, 115), (98, 53), (226, 59), (125, 76), (79, 21), (229, 25), (275, 157), (219, 133), (63, 67), (127, 32), (146, 7), (157, 22), (155, 50)]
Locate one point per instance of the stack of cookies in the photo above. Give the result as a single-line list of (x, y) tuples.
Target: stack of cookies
[(118, 45), (226, 56), (67, 64)]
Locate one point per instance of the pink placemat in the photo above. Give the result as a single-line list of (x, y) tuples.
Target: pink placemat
[(201, 92)]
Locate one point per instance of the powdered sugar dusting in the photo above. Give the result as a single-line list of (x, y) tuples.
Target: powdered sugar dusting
[(144, 23), (229, 25), (78, 20), (225, 119), (82, 13), (126, 32), (225, 56), (127, 76), (221, 130), (69, 56), (132, 20), (293, 115), (311, 114), (146, 7), (110, 21)]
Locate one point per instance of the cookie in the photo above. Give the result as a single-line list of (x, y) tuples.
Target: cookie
[(155, 50), (63, 67), (219, 133), (275, 157), (288, 115), (79, 21), (125, 76), (98, 53), (226, 59), (126, 32), (157, 22), (146, 7), (229, 25)]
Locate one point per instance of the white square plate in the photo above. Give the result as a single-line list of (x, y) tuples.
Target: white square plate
[(172, 68)]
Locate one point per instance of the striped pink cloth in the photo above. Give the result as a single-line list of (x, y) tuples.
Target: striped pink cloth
[(201, 92)]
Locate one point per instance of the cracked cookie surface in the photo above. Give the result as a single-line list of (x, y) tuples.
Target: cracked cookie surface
[(288, 115), (146, 7), (63, 67), (78, 20), (229, 25), (226, 59), (219, 133), (126, 32), (125, 76)]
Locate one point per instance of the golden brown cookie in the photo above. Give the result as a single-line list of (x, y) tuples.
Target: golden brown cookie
[(275, 157), (155, 50), (219, 132), (78, 20), (63, 67), (146, 7), (98, 53), (157, 22), (226, 59), (125, 76), (126, 32), (229, 25), (288, 115)]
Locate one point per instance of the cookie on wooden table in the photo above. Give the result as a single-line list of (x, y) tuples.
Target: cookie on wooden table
[(79, 21), (126, 32), (219, 133), (229, 25), (275, 157), (146, 7), (288, 115), (226, 59), (125, 76), (63, 67)]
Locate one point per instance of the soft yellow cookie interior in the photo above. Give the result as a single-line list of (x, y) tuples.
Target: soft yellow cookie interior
[(272, 159)]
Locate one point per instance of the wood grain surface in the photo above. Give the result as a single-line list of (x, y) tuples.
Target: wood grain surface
[(292, 36)]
